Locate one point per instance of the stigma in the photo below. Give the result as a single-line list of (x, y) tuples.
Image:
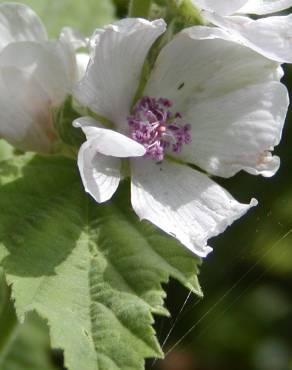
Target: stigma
[(157, 128)]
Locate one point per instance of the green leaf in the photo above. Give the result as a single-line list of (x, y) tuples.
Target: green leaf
[(22, 346), (29, 348), (94, 272), (84, 15)]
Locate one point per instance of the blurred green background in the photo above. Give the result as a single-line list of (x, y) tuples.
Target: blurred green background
[(245, 320)]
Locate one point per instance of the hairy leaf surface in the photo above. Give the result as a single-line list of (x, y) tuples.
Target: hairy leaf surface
[(22, 346), (94, 272)]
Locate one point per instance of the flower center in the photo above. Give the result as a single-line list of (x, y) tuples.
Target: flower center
[(153, 125)]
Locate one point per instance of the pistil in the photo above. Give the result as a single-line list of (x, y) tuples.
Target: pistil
[(153, 124)]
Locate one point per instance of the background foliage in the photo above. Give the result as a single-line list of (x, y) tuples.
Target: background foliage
[(84, 15), (245, 320)]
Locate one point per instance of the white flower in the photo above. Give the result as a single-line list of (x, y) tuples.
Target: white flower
[(208, 102), (36, 75), (270, 36)]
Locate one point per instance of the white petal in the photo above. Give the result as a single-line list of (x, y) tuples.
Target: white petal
[(113, 74), (271, 36), (223, 7), (19, 23), (76, 63), (82, 60), (74, 37), (183, 202), (204, 61), (25, 112), (109, 142), (46, 62), (67, 54), (88, 126), (222, 89), (264, 6), (237, 131), (100, 174)]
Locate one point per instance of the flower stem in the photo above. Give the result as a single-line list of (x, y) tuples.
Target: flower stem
[(187, 11), (139, 8)]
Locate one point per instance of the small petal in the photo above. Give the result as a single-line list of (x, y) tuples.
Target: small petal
[(264, 6), (67, 54), (271, 36), (183, 202), (74, 37), (100, 174), (82, 60), (113, 74), (223, 7), (19, 23), (25, 112), (47, 62), (109, 142)]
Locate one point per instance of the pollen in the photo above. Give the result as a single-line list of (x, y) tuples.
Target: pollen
[(154, 125)]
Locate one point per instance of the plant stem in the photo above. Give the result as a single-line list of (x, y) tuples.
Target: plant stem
[(139, 8), (187, 11)]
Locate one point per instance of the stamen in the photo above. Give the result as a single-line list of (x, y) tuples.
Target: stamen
[(153, 125)]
